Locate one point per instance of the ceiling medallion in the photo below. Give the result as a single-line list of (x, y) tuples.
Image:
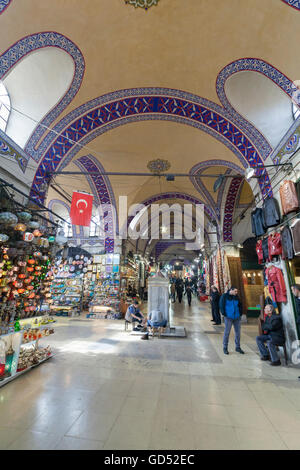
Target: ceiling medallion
[(158, 166), (146, 4)]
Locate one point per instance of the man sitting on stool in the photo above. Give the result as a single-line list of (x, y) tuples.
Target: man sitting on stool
[(156, 319), (273, 335), (134, 314)]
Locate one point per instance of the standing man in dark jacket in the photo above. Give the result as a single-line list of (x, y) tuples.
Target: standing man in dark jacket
[(231, 309), (273, 336), (296, 292), (215, 309)]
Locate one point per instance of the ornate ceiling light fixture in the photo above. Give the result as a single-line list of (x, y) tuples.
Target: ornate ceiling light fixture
[(146, 4)]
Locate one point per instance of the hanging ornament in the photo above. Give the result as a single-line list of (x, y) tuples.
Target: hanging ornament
[(3, 237), (37, 254), (37, 233), (28, 237), (30, 269), (24, 216), (21, 263), (51, 239), (8, 218), (33, 224), (31, 261), (20, 227)]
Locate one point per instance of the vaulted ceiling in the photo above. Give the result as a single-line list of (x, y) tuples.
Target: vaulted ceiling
[(212, 91)]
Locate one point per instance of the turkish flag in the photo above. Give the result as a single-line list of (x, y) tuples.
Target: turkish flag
[(81, 209)]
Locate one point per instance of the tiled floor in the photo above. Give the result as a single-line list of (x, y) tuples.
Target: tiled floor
[(107, 389)]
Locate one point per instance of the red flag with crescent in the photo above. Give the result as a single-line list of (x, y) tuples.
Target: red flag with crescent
[(81, 209)]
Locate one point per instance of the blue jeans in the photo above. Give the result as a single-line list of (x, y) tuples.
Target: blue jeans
[(260, 341), (156, 324), (237, 330)]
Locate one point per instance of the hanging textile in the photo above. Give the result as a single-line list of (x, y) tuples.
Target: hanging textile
[(220, 271), (295, 229), (226, 271)]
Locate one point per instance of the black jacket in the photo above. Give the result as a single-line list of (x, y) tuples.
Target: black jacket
[(215, 298), (257, 220), (297, 301), (271, 212), (273, 326), (265, 248), (287, 243)]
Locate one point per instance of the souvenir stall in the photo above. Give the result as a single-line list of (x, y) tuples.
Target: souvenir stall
[(67, 285), (129, 274), (26, 250), (104, 278), (278, 236)]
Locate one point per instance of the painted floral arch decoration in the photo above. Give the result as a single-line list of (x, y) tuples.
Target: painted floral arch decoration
[(146, 4)]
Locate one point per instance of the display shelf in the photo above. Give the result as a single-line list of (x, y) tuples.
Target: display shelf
[(17, 374)]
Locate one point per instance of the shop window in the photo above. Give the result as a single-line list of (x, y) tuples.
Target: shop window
[(4, 107)]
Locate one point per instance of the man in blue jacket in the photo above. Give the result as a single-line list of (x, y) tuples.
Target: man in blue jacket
[(231, 309)]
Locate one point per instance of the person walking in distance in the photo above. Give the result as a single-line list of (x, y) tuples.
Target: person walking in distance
[(189, 291), (179, 289), (231, 309)]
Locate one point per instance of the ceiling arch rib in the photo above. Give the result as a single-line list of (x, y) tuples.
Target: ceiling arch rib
[(148, 107), (200, 186)]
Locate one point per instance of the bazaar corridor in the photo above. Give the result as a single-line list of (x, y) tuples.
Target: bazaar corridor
[(106, 389)]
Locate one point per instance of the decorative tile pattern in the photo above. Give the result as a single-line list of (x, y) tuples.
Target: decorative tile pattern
[(289, 147), (293, 3), (4, 4), (146, 4), (198, 184), (134, 108), (32, 43), (104, 194), (158, 166), (10, 149), (229, 208)]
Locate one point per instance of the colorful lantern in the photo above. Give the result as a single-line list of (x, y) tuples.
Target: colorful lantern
[(20, 227), (8, 218), (30, 269), (24, 216), (37, 254), (33, 224), (37, 233), (21, 291), (22, 276), (31, 261), (51, 239), (3, 237), (28, 237)]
